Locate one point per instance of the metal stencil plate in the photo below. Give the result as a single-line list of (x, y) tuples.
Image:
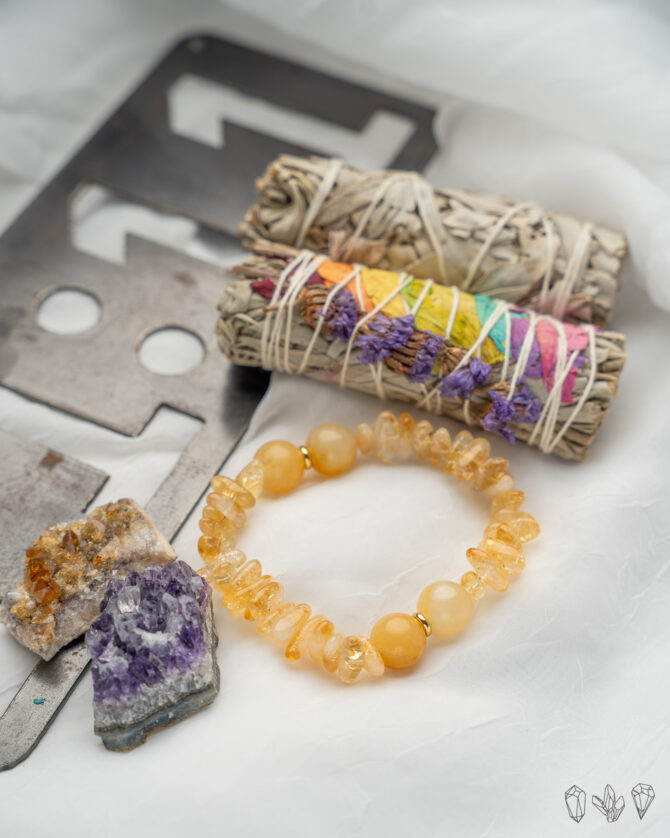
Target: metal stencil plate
[(147, 153)]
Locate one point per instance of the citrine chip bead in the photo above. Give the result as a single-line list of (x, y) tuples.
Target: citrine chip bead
[(373, 663), (525, 526), (421, 440), (461, 441), (472, 458), (406, 430), (311, 639), (237, 597), (227, 508), (220, 572), (473, 584), (440, 446), (331, 652), (512, 499), (351, 659), (264, 598), (510, 558), (365, 438), (503, 532), (488, 568), (225, 486), (289, 624), (251, 478), (208, 548), (489, 473), (387, 436), (505, 484)]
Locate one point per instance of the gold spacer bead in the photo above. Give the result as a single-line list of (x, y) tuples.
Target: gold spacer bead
[(425, 625), (305, 453)]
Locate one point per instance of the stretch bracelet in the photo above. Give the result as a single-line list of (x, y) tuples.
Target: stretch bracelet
[(397, 640)]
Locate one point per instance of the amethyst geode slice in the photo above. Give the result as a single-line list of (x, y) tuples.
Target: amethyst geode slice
[(153, 653)]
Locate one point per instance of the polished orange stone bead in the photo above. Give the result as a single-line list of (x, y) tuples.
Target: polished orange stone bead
[(447, 607), (283, 466), (400, 639), (331, 448)]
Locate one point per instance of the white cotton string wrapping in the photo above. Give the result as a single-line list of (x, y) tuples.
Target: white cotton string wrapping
[(319, 197), (573, 271), (494, 232)]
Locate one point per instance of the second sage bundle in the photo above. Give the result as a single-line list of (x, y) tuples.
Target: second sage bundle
[(484, 244)]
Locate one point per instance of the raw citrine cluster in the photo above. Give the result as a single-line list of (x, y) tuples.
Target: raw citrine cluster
[(397, 640)]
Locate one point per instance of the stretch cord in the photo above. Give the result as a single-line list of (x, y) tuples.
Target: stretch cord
[(279, 320), (414, 189)]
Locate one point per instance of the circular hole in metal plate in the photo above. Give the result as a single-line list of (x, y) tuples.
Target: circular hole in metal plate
[(171, 351), (68, 311)]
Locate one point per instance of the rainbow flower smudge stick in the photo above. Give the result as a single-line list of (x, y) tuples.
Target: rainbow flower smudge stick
[(515, 372)]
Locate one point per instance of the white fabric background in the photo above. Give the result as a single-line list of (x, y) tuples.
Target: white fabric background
[(564, 679)]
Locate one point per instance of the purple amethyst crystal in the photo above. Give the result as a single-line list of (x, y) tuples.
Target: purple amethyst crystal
[(152, 652)]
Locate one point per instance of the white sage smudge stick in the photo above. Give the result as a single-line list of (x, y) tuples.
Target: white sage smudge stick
[(523, 375), (484, 244)]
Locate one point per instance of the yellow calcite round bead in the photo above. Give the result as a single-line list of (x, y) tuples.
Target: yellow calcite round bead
[(400, 639), (331, 448), (283, 466), (447, 607)]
